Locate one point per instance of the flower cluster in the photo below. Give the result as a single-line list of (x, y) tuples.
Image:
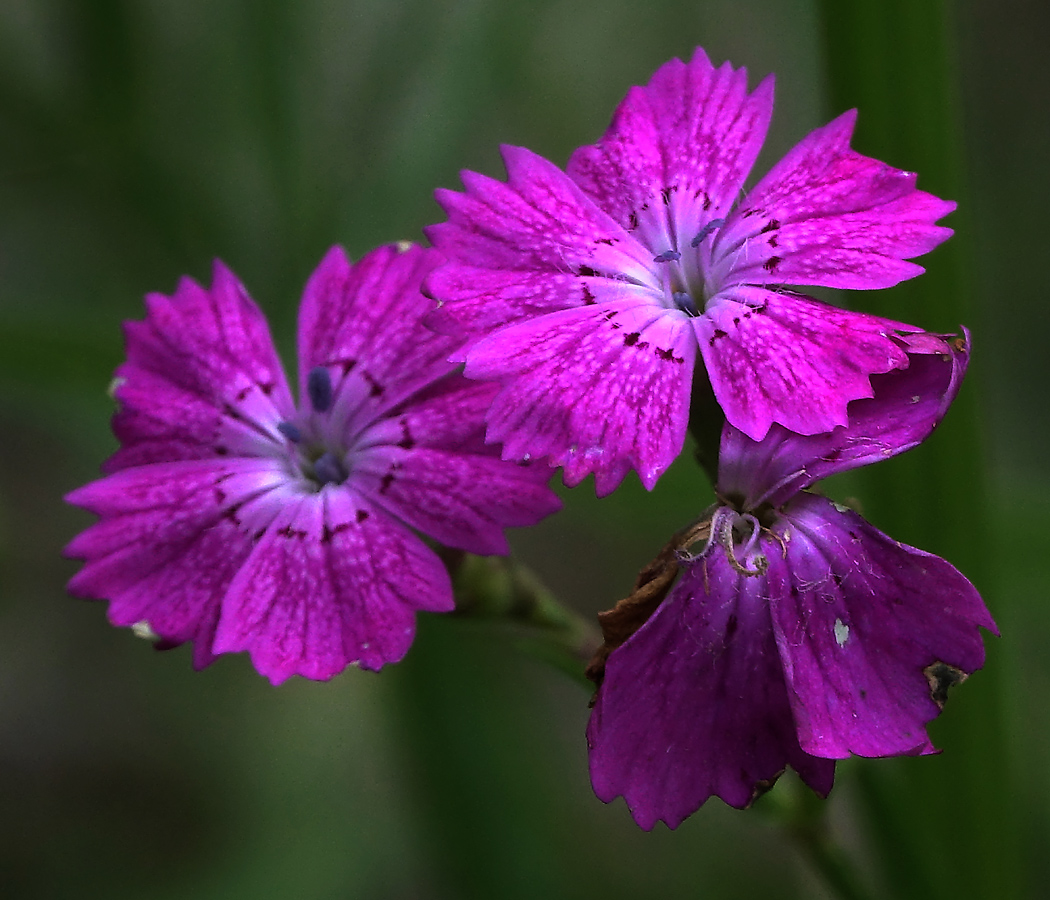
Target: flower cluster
[(800, 634), (573, 309)]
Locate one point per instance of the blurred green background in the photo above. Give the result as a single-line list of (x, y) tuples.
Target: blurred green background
[(141, 138)]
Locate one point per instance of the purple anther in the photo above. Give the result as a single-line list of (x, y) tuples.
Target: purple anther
[(713, 225), (290, 431), (668, 256), (685, 303), (319, 387), (329, 469)]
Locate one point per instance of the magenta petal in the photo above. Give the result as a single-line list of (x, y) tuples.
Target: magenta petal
[(431, 468), (826, 215), (907, 406), (867, 629), (538, 219), (202, 377), (599, 389), (449, 415), (695, 704), (462, 501), (362, 322), (489, 298), (678, 150), (170, 541), (540, 238), (332, 582), (787, 359)]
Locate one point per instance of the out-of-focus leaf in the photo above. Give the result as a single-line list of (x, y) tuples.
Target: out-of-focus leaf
[(946, 824)]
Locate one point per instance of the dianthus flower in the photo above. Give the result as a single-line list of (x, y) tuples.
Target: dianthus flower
[(801, 634), (238, 520), (587, 293)]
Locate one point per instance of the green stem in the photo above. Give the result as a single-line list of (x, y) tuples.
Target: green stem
[(804, 817), (706, 421), (829, 859), (501, 589)]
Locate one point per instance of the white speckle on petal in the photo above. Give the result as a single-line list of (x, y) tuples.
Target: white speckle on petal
[(916, 398), (404, 246), (840, 507), (142, 630), (841, 632)]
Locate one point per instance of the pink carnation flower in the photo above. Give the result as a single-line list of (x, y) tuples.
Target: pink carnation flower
[(587, 294), (239, 520), (802, 634)]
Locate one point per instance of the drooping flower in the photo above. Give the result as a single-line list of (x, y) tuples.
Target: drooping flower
[(239, 520), (801, 634), (587, 294)]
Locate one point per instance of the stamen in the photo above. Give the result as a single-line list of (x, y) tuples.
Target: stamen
[(668, 256), (713, 225), (753, 537), (329, 469), (685, 303), (722, 531), (290, 431), (319, 388)]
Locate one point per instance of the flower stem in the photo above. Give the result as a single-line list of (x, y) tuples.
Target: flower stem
[(804, 817), (828, 859), (500, 588), (706, 420)]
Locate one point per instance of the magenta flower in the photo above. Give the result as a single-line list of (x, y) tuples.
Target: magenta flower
[(801, 634), (588, 293), (240, 521)]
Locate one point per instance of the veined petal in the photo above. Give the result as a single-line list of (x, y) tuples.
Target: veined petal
[(787, 359), (461, 500), (907, 406), (202, 377), (160, 421), (478, 299), (448, 415), (539, 221), (677, 151), (871, 632), (362, 322), (430, 467), (171, 539), (599, 389), (826, 215), (695, 703), (333, 582)]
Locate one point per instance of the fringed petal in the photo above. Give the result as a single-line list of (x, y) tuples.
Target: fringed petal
[(600, 389), (678, 150), (872, 633), (172, 537), (907, 406), (543, 241), (332, 582), (783, 358), (826, 215), (202, 378), (362, 323), (694, 705)]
